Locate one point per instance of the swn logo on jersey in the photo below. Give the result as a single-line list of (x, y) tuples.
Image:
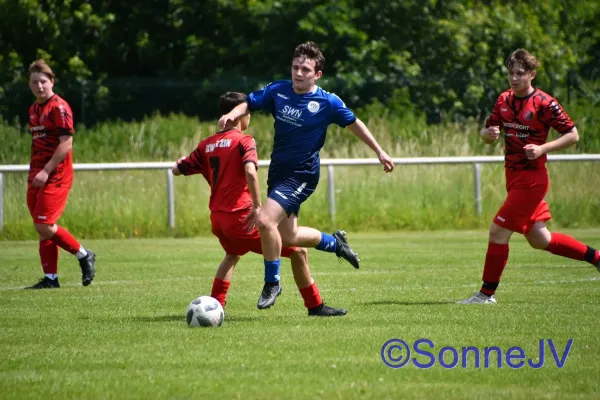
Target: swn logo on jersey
[(37, 128), (219, 143), (291, 111)]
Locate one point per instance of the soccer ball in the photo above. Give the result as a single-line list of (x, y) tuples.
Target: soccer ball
[(205, 311)]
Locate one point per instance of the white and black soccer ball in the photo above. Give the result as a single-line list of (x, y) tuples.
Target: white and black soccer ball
[(205, 311)]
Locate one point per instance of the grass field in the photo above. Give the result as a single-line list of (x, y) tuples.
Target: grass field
[(125, 336)]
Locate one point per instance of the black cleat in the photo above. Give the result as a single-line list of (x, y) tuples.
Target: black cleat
[(88, 268), (343, 250), (45, 283), (323, 310), (269, 295)]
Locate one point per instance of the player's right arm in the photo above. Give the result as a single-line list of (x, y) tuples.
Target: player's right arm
[(189, 165), (491, 132), (261, 99), (240, 110)]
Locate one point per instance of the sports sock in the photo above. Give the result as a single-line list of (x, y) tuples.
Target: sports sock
[(311, 296), (272, 271), (81, 253), (327, 243), (566, 246), (495, 262), (51, 276), (219, 290), (65, 240), (49, 256)]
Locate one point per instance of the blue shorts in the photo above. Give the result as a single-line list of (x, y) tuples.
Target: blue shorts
[(291, 192)]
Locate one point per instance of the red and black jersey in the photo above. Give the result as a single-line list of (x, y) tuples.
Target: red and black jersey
[(220, 158), (47, 122), (527, 120)]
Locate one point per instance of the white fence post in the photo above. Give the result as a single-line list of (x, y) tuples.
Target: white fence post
[(477, 182), (331, 192), (170, 199)]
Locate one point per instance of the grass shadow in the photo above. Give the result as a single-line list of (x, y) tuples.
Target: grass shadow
[(407, 303), (161, 318)]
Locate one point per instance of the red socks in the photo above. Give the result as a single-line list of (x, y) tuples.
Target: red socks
[(560, 244), (495, 261), (49, 256), (65, 240), (311, 296), (219, 290), (566, 246)]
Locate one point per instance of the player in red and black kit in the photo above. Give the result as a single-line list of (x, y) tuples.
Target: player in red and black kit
[(51, 176), (229, 162), (526, 115)]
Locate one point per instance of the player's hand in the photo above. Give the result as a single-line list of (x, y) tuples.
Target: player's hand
[(40, 179), (250, 220), (175, 170), (492, 133), (388, 164), (534, 151), (225, 119)]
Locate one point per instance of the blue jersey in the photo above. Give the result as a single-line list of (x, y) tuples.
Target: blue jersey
[(301, 122)]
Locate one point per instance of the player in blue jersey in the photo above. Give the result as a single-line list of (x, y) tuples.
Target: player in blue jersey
[(302, 113)]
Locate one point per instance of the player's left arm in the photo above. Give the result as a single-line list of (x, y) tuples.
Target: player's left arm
[(558, 119), (250, 162), (362, 132), (64, 147), (342, 116)]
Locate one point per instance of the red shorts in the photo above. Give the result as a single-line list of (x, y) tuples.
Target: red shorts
[(524, 204), (47, 203), (229, 228)]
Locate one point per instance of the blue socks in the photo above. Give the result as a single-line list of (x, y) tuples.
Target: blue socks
[(272, 271), (327, 243)]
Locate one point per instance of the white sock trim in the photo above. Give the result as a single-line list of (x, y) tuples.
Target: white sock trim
[(81, 253)]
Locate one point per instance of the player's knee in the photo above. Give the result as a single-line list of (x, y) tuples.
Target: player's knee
[(263, 222), (301, 252), (538, 242), (499, 234), (45, 231), (288, 239)]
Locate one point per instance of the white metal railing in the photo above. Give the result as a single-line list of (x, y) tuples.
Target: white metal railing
[(476, 161)]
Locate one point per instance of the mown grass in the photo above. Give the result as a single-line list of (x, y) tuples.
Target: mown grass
[(125, 336)]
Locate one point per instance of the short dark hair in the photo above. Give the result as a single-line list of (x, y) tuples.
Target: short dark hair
[(228, 101), (524, 58), (311, 51)]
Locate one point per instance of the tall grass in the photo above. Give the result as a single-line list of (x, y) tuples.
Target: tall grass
[(115, 204)]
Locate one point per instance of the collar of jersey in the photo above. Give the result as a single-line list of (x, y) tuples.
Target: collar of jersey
[(525, 97)]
